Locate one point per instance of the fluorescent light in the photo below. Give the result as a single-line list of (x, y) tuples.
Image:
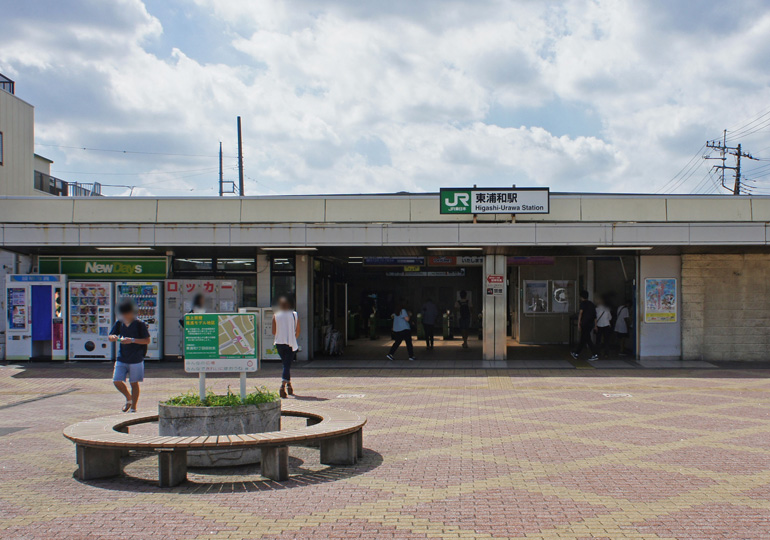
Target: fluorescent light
[(355, 262), (355, 257), (624, 248), (289, 249), (455, 249), (124, 248)]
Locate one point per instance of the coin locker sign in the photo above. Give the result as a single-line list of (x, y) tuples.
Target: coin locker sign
[(220, 342), (495, 201)]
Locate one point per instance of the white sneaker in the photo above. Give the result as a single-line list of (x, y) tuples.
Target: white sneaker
[(412, 359), (594, 357), (389, 357)]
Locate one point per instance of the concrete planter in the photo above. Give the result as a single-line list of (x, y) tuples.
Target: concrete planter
[(199, 421)]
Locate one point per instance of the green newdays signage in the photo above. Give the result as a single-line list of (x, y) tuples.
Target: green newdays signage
[(143, 268)]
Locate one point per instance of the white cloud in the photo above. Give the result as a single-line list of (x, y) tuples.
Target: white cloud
[(345, 96)]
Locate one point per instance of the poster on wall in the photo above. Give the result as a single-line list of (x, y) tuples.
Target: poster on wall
[(17, 308), (562, 296), (536, 297), (660, 300)]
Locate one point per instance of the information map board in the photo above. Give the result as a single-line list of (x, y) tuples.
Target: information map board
[(221, 342)]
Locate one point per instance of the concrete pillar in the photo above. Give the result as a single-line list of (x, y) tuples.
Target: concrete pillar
[(340, 450), (263, 280), (96, 463), (275, 463), (304, 273), (172, 467), (495, 307)]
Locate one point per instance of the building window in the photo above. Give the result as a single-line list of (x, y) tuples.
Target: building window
[(283, 281), (1, 148)]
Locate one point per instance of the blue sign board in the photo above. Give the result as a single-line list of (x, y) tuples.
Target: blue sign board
[(394, 261), (35, 277)]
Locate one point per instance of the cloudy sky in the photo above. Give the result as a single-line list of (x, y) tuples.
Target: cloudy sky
[(344, 96)]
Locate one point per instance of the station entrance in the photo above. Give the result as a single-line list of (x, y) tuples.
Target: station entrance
[(355, 296)]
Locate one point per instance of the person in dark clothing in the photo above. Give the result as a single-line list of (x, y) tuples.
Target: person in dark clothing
[(586, 324), (133, 336), (464, 308), (429, 319)]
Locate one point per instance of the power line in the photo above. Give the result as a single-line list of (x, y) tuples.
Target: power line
[(128, 151), (208, 169), (726, 150)]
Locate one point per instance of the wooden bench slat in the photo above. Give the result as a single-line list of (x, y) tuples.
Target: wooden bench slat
[(105, 431)]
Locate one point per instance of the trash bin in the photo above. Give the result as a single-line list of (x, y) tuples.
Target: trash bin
[(420, 327), (352, 325), (446, 326), (372, 327)]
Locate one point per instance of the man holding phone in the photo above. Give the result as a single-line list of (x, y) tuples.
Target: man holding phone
[(133, 338)]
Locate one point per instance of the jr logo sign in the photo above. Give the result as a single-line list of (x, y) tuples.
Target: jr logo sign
[(455, 201)]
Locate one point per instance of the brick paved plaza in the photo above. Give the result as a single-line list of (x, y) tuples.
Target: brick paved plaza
[(568, 454)]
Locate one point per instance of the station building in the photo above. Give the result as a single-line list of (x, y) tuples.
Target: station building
[(694, 269)]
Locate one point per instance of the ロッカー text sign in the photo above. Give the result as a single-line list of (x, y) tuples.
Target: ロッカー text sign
[(495, 200)]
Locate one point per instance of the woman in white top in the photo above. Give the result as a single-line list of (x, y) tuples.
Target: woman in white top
[(623, 325), (286, 332)]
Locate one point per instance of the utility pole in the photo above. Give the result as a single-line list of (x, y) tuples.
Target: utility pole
[(240, 160), (221, 179), (732, 151)]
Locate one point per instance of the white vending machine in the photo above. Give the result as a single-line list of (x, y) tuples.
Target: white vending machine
[(90, 319), (219, 296), (147, 297), (36, 320)]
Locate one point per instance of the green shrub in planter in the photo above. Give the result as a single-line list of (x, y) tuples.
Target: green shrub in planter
[(192, 399)]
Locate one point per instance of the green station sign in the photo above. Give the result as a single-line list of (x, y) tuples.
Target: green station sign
[(144, 268), (494, 200)]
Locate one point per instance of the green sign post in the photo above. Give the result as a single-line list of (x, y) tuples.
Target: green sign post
[(144, 268), (221, 343)]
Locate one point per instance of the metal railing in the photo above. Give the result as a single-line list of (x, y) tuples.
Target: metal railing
[(61, 188), (7, 84)]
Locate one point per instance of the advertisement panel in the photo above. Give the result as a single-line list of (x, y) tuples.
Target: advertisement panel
[(660, 300), (220, 342)]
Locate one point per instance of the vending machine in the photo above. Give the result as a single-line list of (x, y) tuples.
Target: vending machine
[(219, 296), (91, 317), (36, 316), (146, 296)]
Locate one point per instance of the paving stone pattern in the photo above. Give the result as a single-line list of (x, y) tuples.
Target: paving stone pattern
[(526, 454)]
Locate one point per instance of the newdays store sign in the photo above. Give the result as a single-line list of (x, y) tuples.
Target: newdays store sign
[(106, 268), (495, 200)]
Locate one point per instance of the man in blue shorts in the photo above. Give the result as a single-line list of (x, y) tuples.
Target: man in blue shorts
[(133, 337)]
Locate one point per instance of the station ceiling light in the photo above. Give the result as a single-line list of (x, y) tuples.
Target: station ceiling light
[(289, 249), (126, 248), (624, 248), (454, 248)]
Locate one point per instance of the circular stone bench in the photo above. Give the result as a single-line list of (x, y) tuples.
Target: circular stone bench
[(100, 443)]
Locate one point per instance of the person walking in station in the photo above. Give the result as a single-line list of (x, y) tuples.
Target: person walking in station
[(286, 330), (429, 319), (623, 325), (402, 331), (133, 338), (463, 307), (586, 325), (603, 328)]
